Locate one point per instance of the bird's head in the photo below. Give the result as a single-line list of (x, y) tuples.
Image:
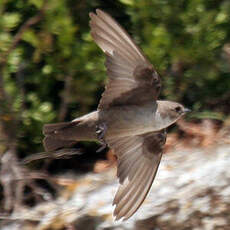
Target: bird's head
[(171, 111)]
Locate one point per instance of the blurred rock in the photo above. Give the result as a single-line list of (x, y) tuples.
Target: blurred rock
[(202, 135), (191, 191)]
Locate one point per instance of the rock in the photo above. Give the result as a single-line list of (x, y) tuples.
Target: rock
[(191, 191)]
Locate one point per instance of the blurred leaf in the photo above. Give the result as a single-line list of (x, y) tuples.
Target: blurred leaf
[(37, 3), (127, 2), (30, 37), (14, 59), (5, 41), (10, 20)]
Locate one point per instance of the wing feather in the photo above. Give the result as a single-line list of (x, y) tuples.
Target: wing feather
[(138, 161), (132, 199), (127, 67), (117, 31), (141, 193)]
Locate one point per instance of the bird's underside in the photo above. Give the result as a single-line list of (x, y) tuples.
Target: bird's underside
[(132, 81), (138, 157)]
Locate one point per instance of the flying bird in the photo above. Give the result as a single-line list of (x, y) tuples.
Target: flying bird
[(129, 118)]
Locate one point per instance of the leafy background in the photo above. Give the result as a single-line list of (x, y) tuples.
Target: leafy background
[(51, 70)]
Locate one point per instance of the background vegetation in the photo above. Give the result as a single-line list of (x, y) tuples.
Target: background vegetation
[(51, 70)]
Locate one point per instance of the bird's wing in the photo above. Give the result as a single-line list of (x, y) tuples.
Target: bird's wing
[(138, 161), (132, 79)]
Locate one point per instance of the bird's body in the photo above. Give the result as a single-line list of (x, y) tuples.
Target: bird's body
[(129, 118), (120, 121)]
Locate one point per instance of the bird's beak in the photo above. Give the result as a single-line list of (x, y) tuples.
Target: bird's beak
[(186, 110)]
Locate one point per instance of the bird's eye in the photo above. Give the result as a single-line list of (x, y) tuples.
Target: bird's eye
[(178, 109)]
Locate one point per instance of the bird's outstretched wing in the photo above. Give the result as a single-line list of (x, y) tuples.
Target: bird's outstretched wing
[(132, 79), (138, 161)]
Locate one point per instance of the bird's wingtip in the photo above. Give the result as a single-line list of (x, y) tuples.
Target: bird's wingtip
[(99, 11), (91, 14)]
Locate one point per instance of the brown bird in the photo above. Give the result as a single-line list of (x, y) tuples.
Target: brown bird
[(129, 118)]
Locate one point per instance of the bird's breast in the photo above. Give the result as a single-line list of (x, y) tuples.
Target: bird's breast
[(129, 120)]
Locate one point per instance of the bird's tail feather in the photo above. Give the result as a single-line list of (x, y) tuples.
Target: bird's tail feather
[(55, 137), (51, 128), (66, 134), (52, 143)]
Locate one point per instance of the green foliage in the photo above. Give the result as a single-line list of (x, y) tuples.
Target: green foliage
[(186, 40)]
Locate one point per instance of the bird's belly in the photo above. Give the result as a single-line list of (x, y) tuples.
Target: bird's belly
[(129, 120)]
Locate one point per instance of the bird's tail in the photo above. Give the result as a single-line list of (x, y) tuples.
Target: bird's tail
[(66, 134), (56, 137)]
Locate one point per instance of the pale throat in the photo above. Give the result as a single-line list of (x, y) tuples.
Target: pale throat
[(162, 121)]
